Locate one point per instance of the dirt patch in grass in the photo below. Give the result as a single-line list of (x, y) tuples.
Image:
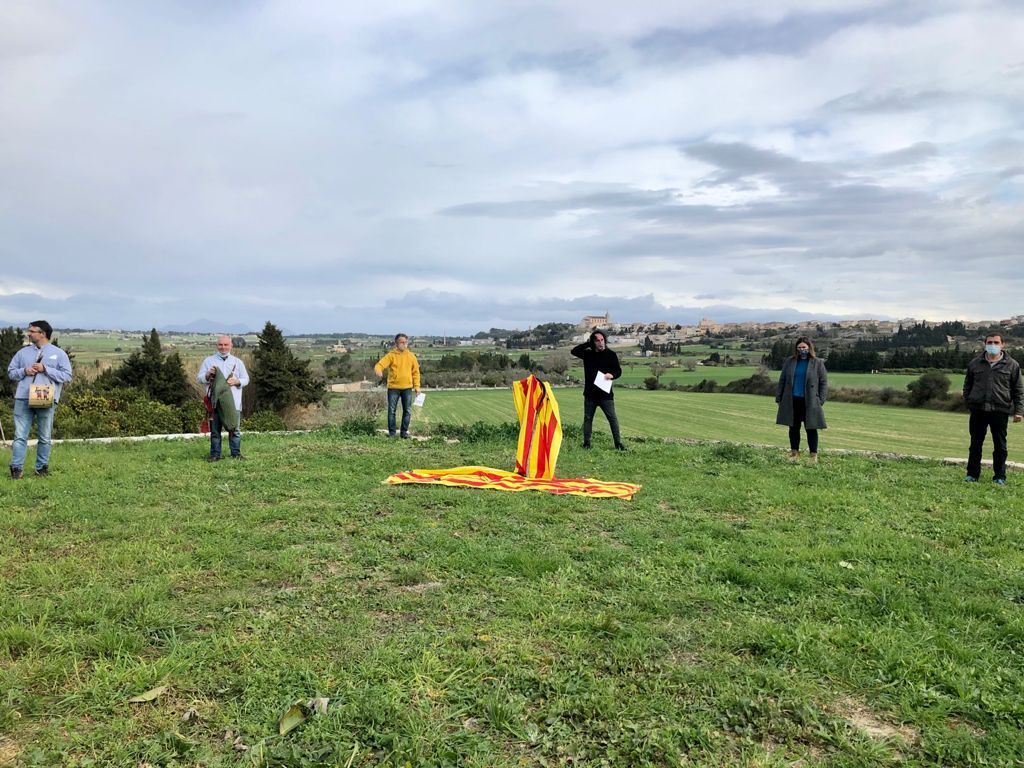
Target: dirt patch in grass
[(687, 658), (9, 752), (419, 588), (861, 717), (976, 731)]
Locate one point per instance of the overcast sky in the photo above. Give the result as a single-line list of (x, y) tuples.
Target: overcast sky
[(449, 166)]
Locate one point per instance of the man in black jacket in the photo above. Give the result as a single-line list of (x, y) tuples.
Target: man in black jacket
[(994, 391), (598, 360)]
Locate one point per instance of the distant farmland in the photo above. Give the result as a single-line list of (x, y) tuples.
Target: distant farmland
[(742, 418)]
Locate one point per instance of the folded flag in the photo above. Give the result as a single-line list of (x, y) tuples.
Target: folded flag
[(540, 428), (223, 401)]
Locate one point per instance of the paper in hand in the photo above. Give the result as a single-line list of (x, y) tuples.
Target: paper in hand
[(602, 383), (418, 402)]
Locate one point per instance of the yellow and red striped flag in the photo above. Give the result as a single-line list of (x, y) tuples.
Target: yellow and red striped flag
[(500, 480), (540, 438), (540, 429)]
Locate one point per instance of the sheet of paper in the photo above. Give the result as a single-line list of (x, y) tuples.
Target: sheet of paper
[(419, 399), (602, 383)]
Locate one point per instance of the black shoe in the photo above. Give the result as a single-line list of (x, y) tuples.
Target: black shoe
[(405, 436), (620, 447), (43, 471), (212, 459), (587, 446), (238, 456), (16, 473)]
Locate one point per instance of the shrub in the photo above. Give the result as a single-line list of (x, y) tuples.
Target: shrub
[(651, 382), (736, 454), (263, 421), (478, 431), (358, 405), (758, 384), (120, 413), (356, 425), (928, 387), (492, 379), (7, 418), (888, 395), (193, 413)]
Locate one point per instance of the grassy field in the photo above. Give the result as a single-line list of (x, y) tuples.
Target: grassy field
[(741, 418), (741, 611), (634, 373), (96, 350)]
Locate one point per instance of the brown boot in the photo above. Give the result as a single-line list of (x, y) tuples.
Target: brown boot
[(814, 458), (794, 455)]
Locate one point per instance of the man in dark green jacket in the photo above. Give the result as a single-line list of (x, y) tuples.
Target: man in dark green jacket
[(994, 392)]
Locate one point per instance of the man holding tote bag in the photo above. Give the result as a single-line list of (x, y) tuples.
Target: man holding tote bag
[(41, 370)]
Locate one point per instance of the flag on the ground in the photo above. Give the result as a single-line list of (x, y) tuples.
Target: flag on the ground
[(500, 480), (540, 437)]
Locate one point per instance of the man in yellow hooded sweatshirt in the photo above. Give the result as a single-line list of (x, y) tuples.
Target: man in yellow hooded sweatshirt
[(403, 378)]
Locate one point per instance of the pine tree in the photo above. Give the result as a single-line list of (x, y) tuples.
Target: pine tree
[(280, 378), (11, 340), (161, 377)]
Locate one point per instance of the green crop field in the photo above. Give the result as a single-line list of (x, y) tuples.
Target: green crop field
[(742, 418), (740, 611), (634, 373), (109, 348)]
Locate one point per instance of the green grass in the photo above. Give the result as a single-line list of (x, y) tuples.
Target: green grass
[(740, 611), (634, 373), (740, 418)]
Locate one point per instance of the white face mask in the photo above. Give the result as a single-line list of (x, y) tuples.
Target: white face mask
[(993, 349)]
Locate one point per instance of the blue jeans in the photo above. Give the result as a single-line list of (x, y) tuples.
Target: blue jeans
[(393, 396), (23, 417), (234, 438)]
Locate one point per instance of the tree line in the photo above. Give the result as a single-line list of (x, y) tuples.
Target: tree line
[(150, 392), (861, 358)]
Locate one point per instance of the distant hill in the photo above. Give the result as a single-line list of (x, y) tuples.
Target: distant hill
[(203, 325)]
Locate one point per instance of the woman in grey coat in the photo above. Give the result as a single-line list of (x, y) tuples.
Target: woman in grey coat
[(803, 387)]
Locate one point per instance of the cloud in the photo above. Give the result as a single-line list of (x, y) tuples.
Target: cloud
[(325, 166)]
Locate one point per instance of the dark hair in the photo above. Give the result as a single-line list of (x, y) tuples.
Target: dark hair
[(996, 334), (43, 326), (808, 342), (596, 331), (401, 336)]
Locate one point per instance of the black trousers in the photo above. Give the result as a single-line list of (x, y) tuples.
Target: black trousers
[(590, 408), (800, 417), (981, 422)]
